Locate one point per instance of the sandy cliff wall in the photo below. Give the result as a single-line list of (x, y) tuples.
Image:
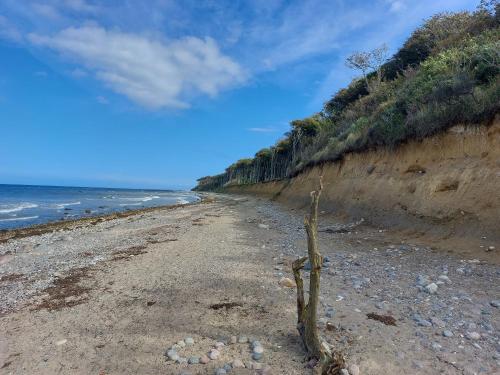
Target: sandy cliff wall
[(450, 181)]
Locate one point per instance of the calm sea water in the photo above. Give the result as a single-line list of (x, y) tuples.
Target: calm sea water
[(24, 205)]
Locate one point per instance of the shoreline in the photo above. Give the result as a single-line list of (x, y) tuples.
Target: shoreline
[(65, 225)]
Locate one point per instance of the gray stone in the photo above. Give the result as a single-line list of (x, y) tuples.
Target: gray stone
[(194, 360), (431, 288), (233, 340), (189, 341), (255, 343), (181, 361), (447, 333), (227, 367), (344, 372), (258, 349), (436, 322), (495, 303), (330, 312), (220, 371), (472, 335), (243, 339), (423, 280), (213, 354), (257, 356)]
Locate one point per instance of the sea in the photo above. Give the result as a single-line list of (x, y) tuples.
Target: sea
[(26, 205)]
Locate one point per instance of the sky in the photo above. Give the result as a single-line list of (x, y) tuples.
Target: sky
[(157, 93)]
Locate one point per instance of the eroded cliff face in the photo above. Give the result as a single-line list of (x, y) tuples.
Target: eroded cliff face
[(449, 182)]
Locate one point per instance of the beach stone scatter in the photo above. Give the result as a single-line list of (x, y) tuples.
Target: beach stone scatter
[(255, 350)]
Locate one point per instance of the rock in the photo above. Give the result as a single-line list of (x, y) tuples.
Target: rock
[(423, 280), (472, 335), (255, 343), (344, 372), (424, 323), (447, 333), (243, 339), (436, 322), (61, 342), (379, 305), (194, 360), (189, 341), (172, 354), (495, 303), (431, 288), (436, 346), (257, 356), (181, 361), (219, 345), (286, 282), (181, 344), (258, 349), (213, 354), (227, 367), (263, 226), (220, 371), (233, 340), (491, 248), (204, 359), (353, 369), (330, 312), (445, 278), (237, 363)]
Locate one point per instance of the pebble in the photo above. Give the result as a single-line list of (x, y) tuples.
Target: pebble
[(193, 360), (431, 288), (495, 303), (444, 278), (189, 341), (213, 354), (447, 333), (353, 369), (263, 226), (219, 345), (233, 340), (257, 356), (422, 280), (472, 335), (286, 282), (61, 342), (220, 371), (344, 372), (255, 343), (181, 361), (172, 354), (258, 349), (238, 363), (330, 312), (243, 339), (227, 367), (437, 322), (204, 359), (181, 344)]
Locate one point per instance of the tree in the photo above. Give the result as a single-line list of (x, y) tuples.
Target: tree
[(369, 61)]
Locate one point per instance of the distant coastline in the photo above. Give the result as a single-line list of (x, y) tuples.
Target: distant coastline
[(66, 225), (29, 205)]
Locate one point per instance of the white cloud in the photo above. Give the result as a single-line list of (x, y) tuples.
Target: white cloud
[(9, 31), (150, 72)]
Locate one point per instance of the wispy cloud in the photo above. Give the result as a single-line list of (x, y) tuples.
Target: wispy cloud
[(150, 72), (263, 130)]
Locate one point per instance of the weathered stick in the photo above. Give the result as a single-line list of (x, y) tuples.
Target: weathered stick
[(307, 313)]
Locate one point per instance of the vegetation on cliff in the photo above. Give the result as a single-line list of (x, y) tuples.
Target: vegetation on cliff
[(446, 73)]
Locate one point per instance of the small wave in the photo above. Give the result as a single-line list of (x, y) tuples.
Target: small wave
[(60, 206), (130, 204), (20, 218), (182, 201), (142, 199), (18, 207)]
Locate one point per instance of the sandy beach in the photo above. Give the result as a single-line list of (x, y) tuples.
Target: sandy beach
[(112, 296)]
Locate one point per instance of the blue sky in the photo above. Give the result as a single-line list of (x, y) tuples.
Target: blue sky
[(158, 93)]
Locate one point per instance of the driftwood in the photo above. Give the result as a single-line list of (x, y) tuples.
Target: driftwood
[(328, 363)]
